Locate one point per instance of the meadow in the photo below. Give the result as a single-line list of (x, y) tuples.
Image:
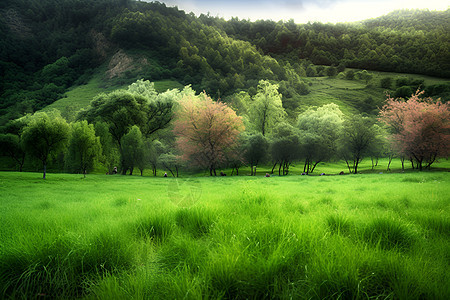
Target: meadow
[(364, 236)]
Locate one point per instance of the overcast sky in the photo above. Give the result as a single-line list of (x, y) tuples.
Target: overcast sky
[(303, 11)]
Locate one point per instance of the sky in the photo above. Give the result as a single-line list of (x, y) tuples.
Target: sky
[(303, 11)]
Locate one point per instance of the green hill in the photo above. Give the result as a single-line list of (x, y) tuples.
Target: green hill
[(60, 56)]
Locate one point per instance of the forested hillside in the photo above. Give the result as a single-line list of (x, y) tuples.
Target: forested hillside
[(403, 41), (49, 46)]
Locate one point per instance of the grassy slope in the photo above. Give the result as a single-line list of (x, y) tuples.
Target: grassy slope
[(113, 237), (348, 93), (345, 93), (81, 96)]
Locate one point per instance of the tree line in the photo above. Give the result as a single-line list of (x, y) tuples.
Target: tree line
[(138, 128)]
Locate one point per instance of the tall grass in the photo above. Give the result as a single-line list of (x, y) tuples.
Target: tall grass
[(296, 237)]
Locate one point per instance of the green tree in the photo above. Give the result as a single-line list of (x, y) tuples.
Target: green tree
[(319, 131), (45, 136), (171, 162), (358, 137), (285, 146), (84, 148), (255, 150), (110, 151), (267, 109), (331, 71), (386, 82), (11, 146), (350, 75), (365, 76), (154, 149), (133, 150), (139, 106)]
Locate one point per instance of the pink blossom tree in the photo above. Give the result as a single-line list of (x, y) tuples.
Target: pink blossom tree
[(207, 132), (420, 128)]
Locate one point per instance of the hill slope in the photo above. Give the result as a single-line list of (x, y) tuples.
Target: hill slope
[(84, 47)]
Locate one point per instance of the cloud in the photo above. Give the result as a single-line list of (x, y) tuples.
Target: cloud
[(301, 11)]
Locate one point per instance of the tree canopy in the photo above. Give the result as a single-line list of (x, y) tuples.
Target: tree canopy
[(420, 127), (207, 132), (44, 136)]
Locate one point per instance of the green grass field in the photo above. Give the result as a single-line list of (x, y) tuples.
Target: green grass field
[(295, 237)]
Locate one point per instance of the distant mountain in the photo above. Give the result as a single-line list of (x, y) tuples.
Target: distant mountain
[(436, 22)]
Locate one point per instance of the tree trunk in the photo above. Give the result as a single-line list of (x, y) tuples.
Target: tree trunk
[(286, 168), (20, 162), (412, 162), (314, 166), (431, 161), (355, 163), (44, 162), (279, 169), (348, 166), (170, 170), (273, 168), (389, 163)]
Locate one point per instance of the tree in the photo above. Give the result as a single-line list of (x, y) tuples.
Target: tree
[(419, 127), (266, 109), (319, 130), (84, 147), (120, 110), (157, 108), (255, 150), (154, 150), (331, 71), (285, 146), (207, 131), (133, 150), (45, 136), (365, 76), (170, 162), (357, 139), (386, 82), (110, 151), (139, 106), (11, 146)]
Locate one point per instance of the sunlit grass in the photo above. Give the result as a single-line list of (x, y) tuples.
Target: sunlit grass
[(121, 237)]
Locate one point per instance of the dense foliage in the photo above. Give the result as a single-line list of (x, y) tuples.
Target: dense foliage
[(420, 128), (46, 49), (207, 132), (404, 41)]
